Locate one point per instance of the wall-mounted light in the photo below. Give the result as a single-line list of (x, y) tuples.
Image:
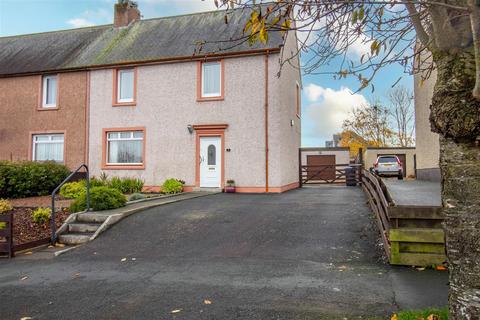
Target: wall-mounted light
[(190, 128), (292, 123)]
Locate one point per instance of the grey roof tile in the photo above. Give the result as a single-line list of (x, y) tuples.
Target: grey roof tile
[(152, 39)]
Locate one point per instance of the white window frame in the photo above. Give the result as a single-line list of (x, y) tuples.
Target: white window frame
[(119, 85), (212, 95), (45, 90), (124, 139), (50, 141)]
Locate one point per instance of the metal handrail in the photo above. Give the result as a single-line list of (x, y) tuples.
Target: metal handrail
[(52, 218)]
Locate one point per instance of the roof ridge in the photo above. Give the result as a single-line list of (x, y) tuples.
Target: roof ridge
[(142, 20)]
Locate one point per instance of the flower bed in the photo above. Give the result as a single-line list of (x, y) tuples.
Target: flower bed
[(26, 231)]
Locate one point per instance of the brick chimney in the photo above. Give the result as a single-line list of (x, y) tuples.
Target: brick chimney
[(125, 12)]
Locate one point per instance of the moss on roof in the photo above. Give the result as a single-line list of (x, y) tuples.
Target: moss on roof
[(144, 40)]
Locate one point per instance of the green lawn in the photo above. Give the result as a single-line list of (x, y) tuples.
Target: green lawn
[(423, 314)]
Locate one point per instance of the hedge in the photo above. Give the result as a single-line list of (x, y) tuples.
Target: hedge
[(26, 178)]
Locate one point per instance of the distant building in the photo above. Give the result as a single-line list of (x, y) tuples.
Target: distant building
[(335, 142)]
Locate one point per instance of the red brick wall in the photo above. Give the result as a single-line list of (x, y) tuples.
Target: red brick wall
[(19, 115)]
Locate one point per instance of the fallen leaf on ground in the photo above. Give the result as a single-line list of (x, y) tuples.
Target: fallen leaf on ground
[(433, 317), (123, 259), (394, 317), (207, 301), (24, 278), (176, 311)]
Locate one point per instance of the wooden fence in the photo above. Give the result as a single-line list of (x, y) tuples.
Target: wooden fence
[(7, 245), (412, 235), (6, 235), (327, 173)]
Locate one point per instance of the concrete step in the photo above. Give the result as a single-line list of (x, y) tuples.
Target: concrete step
[(91, 217), (83, 227), (74, 238)]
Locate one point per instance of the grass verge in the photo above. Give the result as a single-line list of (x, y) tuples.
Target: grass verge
[(442, 314)]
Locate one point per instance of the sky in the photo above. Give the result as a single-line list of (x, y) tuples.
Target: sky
[(326, 102)]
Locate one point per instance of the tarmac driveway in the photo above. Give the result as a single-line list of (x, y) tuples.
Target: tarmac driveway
[(304, 254)]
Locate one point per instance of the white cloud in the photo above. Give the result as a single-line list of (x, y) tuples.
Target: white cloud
[(324, 117), (314, 92), (80, 23)]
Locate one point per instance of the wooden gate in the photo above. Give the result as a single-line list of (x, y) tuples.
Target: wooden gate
[(314, 162), (6, 235)]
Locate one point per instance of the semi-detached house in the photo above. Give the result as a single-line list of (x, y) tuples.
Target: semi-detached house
[(144, 98)]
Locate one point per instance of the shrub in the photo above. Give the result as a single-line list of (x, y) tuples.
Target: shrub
[(95, 182), (171, 186), (5, 206), (136, 196), (27, 178), (126, 185), (41, 215), (101, 198), (73, 190)]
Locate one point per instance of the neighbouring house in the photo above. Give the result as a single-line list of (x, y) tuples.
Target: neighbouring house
[(426, 141), (152, 101), (42, 115), (407, 155)]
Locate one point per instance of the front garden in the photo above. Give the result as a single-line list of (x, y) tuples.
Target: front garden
[(25, 189)]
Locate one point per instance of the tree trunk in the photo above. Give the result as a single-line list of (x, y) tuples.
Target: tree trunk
[(460, 167), (455, 115)]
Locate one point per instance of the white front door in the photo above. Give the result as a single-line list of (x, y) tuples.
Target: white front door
[(210, 162)]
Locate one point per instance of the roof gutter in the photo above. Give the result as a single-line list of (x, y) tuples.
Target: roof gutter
[(150, 62)]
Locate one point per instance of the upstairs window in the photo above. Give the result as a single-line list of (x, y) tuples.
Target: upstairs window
[(211, 80), (125, 86), (49, 91), (47, 147)]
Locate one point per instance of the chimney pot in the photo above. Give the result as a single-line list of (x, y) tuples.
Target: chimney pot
[(125, 12)]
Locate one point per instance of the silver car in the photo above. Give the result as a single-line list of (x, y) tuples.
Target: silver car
[(388, 166)]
